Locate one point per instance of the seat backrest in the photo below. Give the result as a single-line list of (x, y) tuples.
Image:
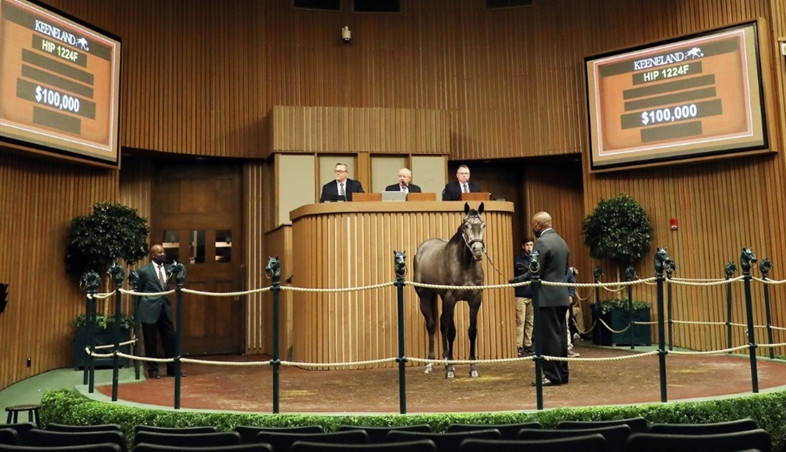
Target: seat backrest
[(585, 443), (258, 447), (20, 428), (636, 424), (248, 433), (100, 447), (177, 430), (284, 440), (444, 441), (214, 439), (8, 436), (508, 431), (424, 445), (52, 427), (38, 437), (740, 425), (378, 434), (720, 442), (616, 436)]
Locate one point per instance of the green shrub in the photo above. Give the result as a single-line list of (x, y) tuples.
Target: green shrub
[(67, 406), (607, 306)]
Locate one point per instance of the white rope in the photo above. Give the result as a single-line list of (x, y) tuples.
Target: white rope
[(336, 290), (147, 294), (716, 282), (101, 296), (226, 294), (709, 352), (769, 281)]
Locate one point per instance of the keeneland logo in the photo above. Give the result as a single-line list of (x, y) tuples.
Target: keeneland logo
[(668, 58), (83, 44)]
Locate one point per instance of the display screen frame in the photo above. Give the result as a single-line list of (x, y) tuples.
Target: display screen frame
[(661, 103), (59, 85)]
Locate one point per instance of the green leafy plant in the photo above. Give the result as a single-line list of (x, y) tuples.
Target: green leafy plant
[(105, 321), (607, 306), (618, 230), (111, 232)]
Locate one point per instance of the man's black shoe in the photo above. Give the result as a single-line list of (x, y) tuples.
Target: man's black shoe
[(153, 374), (546, 382), (520, 351), (529, 350)]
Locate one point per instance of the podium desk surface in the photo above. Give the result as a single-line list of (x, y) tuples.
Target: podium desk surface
[(393, 207)]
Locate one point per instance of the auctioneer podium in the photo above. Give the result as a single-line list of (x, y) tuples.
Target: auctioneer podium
[(351, 244)]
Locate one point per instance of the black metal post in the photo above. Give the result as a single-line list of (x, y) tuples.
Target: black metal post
[(596, 338), (630, 274), (178, 272), (669, 271), (401, 270), (765, 266), (746, 258), (662, 260), (133, 282), (276, 289), (534, 270), (731, 267), (117, 273), (90, 281)]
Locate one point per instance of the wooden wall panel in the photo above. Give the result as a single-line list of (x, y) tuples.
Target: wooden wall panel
[(38, 200)]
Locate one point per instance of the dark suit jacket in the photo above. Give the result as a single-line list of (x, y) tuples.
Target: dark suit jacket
[(553, 258), (452, 191), (330, 190), (396, 187), (150, 307)]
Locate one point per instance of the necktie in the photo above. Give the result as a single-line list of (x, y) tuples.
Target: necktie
[(404, 189), (341, 190), (464, 188), (161, 277)]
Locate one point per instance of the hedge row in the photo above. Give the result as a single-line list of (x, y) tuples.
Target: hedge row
[(66, 406)]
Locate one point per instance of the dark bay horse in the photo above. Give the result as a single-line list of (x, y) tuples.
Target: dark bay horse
[(456, 262)]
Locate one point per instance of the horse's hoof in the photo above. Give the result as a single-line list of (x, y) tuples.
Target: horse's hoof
[(429, 368), (450, 372), (474, 373)]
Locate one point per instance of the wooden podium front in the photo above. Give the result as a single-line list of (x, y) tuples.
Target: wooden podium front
[(350, 245)]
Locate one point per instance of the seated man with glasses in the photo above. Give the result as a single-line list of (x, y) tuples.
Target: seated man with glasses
[(342, 188)]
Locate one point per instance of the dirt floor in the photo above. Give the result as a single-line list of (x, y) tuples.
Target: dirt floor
[(500, 387)]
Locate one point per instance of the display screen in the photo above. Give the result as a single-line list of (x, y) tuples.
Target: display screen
[(695, 97), (59, 83)]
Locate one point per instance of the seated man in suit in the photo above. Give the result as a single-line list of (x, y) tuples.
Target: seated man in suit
[(462, 184), (404, 178), (342, 188)]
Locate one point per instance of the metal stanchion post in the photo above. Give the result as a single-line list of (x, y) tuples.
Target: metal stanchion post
[(765, 266), (746, 258), (534, 270), (670, 269), (133, 282), (731, 267), (630, 274), (178, 271), (90, 282), (662, 261), (117, 274), (597, 273), (273, 270), (401, 270)]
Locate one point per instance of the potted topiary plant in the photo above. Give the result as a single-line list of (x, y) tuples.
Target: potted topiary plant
[(619, 231), (615, 314), (104, 334), (111, 233)]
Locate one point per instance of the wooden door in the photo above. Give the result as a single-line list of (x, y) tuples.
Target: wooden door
[(197, 216)]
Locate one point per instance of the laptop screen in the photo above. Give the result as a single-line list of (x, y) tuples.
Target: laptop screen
[(394, 196)]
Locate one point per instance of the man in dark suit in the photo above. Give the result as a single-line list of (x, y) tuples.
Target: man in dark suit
[(554, 301), (155, 311), (462, 184), (404, 179), (341, 188)]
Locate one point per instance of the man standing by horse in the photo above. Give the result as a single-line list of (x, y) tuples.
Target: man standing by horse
[(553, 301)]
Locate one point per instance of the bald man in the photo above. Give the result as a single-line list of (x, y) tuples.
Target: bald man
[(553, 301), (404, 182), (155, 311)]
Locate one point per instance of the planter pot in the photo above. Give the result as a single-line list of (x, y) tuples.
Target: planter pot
[(103, 337), (617, 319)]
